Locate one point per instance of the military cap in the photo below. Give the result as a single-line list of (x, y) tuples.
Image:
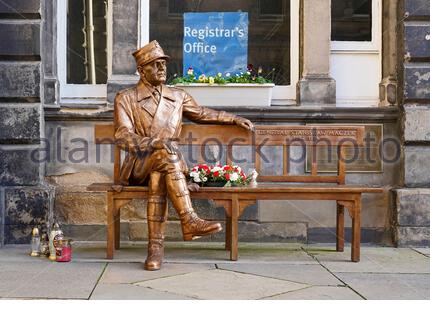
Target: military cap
[(148, 53)]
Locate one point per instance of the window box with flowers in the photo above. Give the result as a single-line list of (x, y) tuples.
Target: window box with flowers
[(243, 89)]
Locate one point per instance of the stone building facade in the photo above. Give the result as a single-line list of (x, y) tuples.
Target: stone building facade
[(47, 149)]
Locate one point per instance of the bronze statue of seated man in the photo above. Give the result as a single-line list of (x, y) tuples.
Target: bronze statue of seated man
[(148, 121)]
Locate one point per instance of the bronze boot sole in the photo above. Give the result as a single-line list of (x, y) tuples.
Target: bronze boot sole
[(194, 236)]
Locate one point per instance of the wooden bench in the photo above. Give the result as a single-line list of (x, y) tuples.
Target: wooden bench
[(313, 186)]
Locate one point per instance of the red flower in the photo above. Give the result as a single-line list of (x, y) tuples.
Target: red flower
[(227, 176), (216, 174)]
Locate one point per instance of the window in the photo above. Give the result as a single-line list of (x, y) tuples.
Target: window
[(82, 50), (356, 51), (272, 40), (351, 20), (355, 24)]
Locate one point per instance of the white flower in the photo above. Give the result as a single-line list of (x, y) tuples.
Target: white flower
[(195, 176), (205, 179), (234, 176), (228, 74), (216, 169)]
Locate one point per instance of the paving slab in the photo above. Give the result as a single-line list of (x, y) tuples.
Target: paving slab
[(127, 273), (425, 251), (319, 293), (388, 285), (109, 291), (197, 252), (374, 259), (17, 253), (306, 274), (222, 285), (46, 279)]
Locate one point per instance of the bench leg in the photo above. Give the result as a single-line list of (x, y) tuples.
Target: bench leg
[(340, 227), (227, 232), (110, 226), (234, 228), (356, 231), (117, 228)]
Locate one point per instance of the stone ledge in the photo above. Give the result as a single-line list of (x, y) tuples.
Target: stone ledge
[(275, 114)]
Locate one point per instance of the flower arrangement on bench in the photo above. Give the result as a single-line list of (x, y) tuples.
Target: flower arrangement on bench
[(219, 176)]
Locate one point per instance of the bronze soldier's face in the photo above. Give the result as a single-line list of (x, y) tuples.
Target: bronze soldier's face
[(154, 72)]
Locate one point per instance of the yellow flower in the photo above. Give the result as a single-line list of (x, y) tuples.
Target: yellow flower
[(211, 80), (202, 78), (219, 74)]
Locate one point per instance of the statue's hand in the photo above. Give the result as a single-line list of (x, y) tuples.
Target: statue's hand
[(157, 143), (244, 123), (193, 187), (163, 144)]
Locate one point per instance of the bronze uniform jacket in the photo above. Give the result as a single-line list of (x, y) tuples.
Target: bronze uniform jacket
[(138, 120)]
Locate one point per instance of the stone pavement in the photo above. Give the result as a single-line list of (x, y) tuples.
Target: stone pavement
[(202, 271)]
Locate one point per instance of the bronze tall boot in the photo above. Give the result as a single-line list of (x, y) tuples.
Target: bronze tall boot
[(156, 216), (192, 226)]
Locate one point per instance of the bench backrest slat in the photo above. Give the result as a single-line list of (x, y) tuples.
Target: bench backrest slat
[(314, 136)]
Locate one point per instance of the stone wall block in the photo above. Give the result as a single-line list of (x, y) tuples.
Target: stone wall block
[(417, 82), (417, 40), (17, 168), (417, 8), (21, 6), (80, 207), (417, 173), (19, 79), (413, 236), (20, 39), (19, 124), (413, 207), (25, 208), (416, 122)]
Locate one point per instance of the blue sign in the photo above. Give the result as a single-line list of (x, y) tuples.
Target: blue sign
[(215, 42)]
